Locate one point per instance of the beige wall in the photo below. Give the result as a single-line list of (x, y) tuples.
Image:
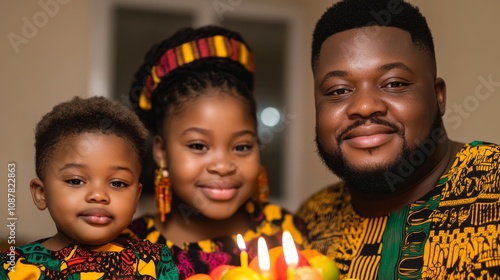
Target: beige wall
[(53, 65), (50, 66)]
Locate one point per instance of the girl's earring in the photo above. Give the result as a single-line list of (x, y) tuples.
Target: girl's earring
[(162, 191), (263, 185)]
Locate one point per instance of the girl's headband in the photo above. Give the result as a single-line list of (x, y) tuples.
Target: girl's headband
[(210, 47)]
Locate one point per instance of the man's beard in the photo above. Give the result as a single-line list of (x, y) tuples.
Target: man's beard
[(376, 179)]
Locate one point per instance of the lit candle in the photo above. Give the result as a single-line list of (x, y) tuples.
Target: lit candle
[(264, 262), (291, 255), (243, 248), (242, 272)]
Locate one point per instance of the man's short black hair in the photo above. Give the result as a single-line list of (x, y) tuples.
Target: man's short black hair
[(352, 14)]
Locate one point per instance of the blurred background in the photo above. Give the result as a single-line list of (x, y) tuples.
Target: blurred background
[(53, 50)]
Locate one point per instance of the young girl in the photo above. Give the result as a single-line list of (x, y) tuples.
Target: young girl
[(194, 92), (88, 163)]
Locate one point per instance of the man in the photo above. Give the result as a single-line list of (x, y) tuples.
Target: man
[(412, 204)]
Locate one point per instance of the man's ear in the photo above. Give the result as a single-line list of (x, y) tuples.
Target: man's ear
[(38, 193), (159, 151), (440, 89)]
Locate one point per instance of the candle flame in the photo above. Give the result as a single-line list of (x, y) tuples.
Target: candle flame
[(264, 262), (241, 242), (289, 250)]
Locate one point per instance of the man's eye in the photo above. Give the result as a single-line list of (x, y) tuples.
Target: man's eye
[(339, 91), (396, 84)]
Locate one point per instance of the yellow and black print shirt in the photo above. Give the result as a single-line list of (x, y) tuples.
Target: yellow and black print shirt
[(453, 232), (120, 259)]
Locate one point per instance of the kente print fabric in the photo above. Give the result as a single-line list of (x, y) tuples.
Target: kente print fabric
[(117, 260), (268, 221), (451, 233)]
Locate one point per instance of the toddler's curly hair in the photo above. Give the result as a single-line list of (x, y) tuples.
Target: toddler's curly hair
[(80, 115)]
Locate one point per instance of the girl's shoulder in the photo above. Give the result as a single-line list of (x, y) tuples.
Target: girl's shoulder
[(267, 213), (140, 228), (273, 219)]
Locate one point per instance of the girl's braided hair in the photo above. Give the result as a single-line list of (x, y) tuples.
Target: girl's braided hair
[(189, 80)]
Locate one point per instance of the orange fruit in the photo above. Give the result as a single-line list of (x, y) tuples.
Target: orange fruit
[(219, 271), (199, 276), (309, 253)]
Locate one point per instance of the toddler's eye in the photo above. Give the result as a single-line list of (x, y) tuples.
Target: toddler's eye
[(119, 184), (74, 181)]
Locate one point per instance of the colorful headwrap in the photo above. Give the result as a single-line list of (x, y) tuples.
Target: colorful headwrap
[(210, 47)]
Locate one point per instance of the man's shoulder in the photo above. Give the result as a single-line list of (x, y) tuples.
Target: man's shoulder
[(481, 145), (324, 198), (478, 153), (329, 192)]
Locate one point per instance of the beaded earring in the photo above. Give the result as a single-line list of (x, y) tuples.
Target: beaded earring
[(263, 185), (162, 191)]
